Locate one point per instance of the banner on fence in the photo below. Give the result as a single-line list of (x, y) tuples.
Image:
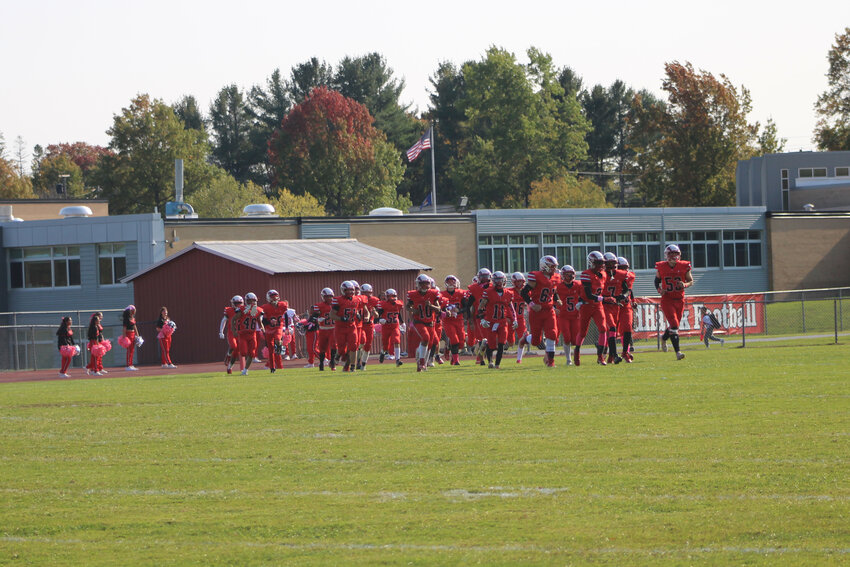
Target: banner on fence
[(737, 314)]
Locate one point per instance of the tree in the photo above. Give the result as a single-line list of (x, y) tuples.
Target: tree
[(601, 111), (84, 156), (833, 105), (147, 138), (328, 147), (306, 76), (50, 173), (566, 191), (188, 111), (769, 141), (523, 128), (703, 133), (231, 127), (20, 155), (13, 185), (224, 197), (288, 204)]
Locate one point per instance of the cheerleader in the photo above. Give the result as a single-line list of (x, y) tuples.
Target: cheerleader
[(128, 340), (165, 327), (97, 345), (67, 348)]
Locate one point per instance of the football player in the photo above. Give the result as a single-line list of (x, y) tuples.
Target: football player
[(389, 313), (497, 315), (423, 304), (475, 292), (344, 313), (369, 315), (274, 320), (232, 343), (520, 334), (616, 288), (245, 324), (569, 292), (624, 325), (326, 339), (672, 277), (539, 294), (593, 281), (453, 299)]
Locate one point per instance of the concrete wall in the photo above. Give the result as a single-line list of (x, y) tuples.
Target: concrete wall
[(808, 251)]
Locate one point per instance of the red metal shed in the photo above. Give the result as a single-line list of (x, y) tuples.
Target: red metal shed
[(197, 283)]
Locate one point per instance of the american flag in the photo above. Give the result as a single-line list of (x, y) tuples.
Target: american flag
[(423, 144)]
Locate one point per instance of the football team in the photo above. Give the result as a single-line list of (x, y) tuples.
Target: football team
[(484, 319)]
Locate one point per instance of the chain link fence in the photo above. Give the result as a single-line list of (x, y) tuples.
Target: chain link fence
[(28, 339)]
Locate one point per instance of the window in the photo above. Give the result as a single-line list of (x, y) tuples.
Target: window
[(641, 249), (741, 248), (842, 171), (571, 249), (111, 263), (784, 180), (56, 266), (812, 172), (514, 253)]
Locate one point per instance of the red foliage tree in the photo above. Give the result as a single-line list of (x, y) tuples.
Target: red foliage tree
[(82, 154)]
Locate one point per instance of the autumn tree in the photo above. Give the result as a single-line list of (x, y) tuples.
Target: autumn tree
[(55, 169), (566, 191), (147, 138), (692, 144), (833, 105), (329, 148), (12, 184)]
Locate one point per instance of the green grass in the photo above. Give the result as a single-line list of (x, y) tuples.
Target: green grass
[(732, 456), (815, 316)]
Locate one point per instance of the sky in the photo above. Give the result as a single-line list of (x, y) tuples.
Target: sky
[(69, 67)]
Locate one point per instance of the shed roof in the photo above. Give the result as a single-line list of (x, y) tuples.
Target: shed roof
[(299, 256)]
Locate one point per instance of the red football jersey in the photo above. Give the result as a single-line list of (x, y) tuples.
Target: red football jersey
[(519, 304), (422, 312), (247, 323), (476, 292), (499, 305), (368, 302), (616, 284), (324, 310), (571, 295), (544, 290), (597, 281), (672, 277), (391, 311), (274, 314), (346, 309), (454, 300), (229, 312)]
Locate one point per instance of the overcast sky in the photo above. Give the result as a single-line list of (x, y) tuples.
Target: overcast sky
[(70, 66)]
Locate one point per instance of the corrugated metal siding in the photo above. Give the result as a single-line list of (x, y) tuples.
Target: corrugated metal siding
[(197, 286), (335, 230)]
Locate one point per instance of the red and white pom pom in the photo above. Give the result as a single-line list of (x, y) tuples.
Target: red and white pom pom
[(76, 350), (124, 341), (286, 339), (98, 349), (167, 331), (68, 350), (265, 352), (377, 328), (139, 340), (107, 344)]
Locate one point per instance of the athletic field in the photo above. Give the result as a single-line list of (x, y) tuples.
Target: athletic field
[(729, 457)]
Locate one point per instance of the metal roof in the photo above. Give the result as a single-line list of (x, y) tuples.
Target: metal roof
[(299, 256)]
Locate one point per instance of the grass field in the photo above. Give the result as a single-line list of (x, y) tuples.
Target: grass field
[(732, 456)]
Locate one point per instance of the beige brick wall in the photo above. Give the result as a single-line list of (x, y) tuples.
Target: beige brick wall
[(809, 252)]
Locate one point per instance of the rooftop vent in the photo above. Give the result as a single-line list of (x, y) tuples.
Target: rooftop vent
[(77, 211), (808, 207), (258, 211), (385, 212), (6, 214)]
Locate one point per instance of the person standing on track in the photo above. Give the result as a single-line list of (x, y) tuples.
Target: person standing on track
[(672, 277)]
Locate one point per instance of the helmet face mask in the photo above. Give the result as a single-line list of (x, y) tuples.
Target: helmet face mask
[(518, 279), (595, 260), (568, 273), (347, 288), (484, 275), (610, 260), (672, 253), (327, 295), (499, 279), (452, 283), (251, 298), (622, 263), (272, 296), (548, 265), (391, 294), (423, 283)]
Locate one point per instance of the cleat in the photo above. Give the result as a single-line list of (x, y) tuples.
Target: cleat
[(519, 361), (165, 366), (663, 345), (286, 357), (272, 370), (131, 368), (491, 365), (610, 359), (245, 372), (398, 363), (381, 358), (172, 366), (229, 370), (439, 360), (601, 361), (569, 361), (618, 359), (627, 358), (680, 355), (309, 365), (496, 367), (577, 358)]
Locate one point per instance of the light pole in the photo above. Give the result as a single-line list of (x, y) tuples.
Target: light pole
[(63, 183)]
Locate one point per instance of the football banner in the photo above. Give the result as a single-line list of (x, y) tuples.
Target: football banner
[(740, 313)]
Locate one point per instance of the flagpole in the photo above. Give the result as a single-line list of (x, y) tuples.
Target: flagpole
[(433, 174)]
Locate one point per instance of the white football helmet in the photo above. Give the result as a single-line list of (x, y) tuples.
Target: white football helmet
[(250, 296), (610, 260), (452, 282), (484, 275), (326, 292), (423, 282), (672, 252), (499, 279), (272, 295), (518, 279), (568, 273), (366, 288), (622, 263), (347, 288), (595, 260), (548, 265), (236, 300), (391, 293)]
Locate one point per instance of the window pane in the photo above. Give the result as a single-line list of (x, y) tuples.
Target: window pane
[(73, 250), (105, 270), (482, 241), (713, 256), (806, 172), (785, 184), (532, 239), (483, 258), (548, 239), (16, 253), (728, 254), (120, 268), (740, 254), (36, 253), (653, 254), (17, 274), (38, 274), (727, 235), (60, 273), (755, 254), (699, 256), (517, 263), (639, 261), (714, 235), (842, 171), (497, 240), (754, 235), (74, 272), (515, 239), (740, 235), (531, 260), (563, 239), (500, 259), (819, 172)]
